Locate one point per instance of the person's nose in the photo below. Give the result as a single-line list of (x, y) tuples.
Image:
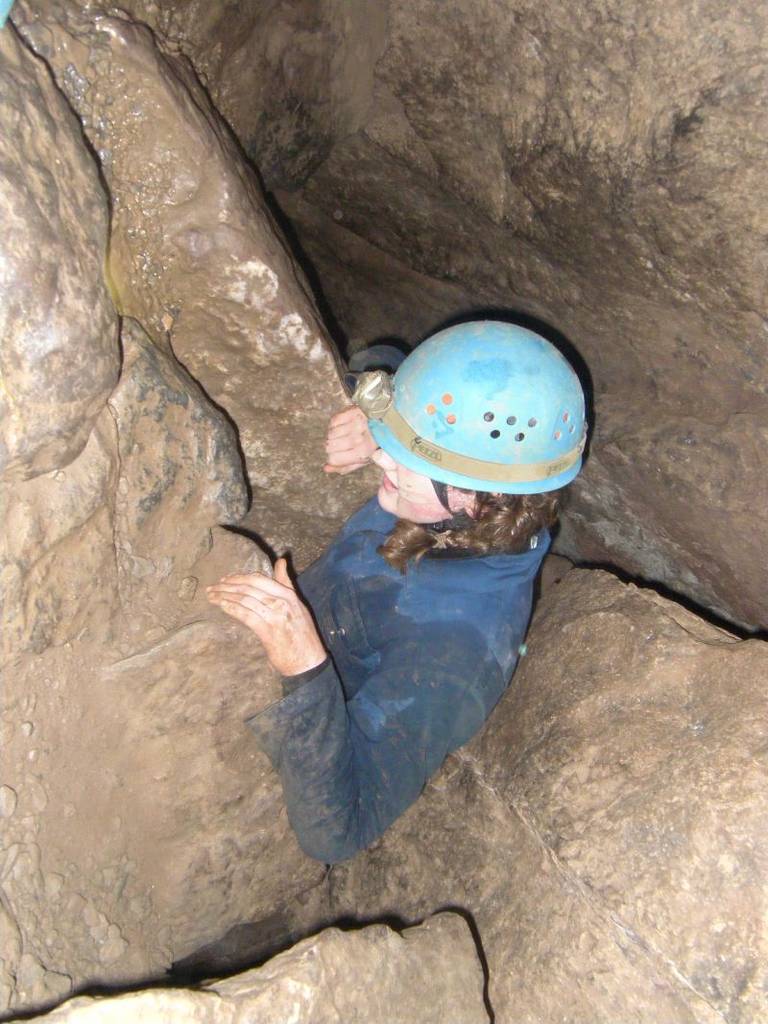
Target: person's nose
[(384, 461)]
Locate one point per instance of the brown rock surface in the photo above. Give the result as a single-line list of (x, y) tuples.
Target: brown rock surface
[(59, 358), (172, 483), (607, 831), (138, 822), (601, 167), (430, 974), (194, 247)]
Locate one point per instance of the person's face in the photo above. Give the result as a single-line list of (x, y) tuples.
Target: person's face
[(410, 495)]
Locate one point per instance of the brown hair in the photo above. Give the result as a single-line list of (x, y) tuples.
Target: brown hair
[(503, 523)]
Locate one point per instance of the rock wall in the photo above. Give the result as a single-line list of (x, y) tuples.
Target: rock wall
[(195, 256), (429, 974), (600, 167), (607, 831), (138, 822)]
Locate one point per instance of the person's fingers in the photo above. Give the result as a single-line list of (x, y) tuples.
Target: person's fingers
[(349, 441), (346, 442), (281, 573), (257, 580), (343, 470), (362, 444), (262, 606), (340, 459), (346, 416), (353, 421), (257, 584), (352, 427), (240, 612)]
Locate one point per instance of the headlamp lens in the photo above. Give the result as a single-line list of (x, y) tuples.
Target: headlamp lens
[(373, 393)]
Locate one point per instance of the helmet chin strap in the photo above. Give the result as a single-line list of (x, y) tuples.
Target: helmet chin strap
[(457, 520)]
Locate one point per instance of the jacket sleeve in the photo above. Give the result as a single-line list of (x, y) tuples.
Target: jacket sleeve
[(349, 769)]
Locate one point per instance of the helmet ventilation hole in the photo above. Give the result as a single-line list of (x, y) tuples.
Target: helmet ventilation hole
[(520, 437), (571, 428), (511, 420), (495, 433), (488, 417), (565, 417), (558, 435), (450, 418), (532, 421)]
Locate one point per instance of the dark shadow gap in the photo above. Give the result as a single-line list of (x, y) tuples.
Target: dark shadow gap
[(287, 231), (244, 947), (741, 632)]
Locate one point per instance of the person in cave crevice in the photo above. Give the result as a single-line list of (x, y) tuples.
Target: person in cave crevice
[(396, 644)]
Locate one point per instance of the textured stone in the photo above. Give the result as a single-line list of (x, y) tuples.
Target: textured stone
[(293, 78), (600, 167), (180, 470), (607, 831), (144, 824), (166, 792), (58, 574), (194, 249), (59, 356), (430, 974)]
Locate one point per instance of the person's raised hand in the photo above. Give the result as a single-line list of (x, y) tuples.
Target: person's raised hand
[(349, 444), (276, 614)]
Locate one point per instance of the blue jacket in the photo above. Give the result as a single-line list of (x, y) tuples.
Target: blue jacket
[(417, 662)]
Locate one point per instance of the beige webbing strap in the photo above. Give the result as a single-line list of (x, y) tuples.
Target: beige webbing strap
[(467, 466)]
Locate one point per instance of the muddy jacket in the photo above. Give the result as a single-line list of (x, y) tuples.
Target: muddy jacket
[(417, 662)]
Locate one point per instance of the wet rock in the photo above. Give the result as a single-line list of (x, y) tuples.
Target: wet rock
[(180, 470), (597, 169), (125, 520), (292, 79), (196, 258), (429, 974), (607, 830), (145, 823), (58, 332), (705, 473), (57, 561), (141, 743)]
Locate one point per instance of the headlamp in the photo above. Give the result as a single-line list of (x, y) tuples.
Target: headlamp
[(373, 393)]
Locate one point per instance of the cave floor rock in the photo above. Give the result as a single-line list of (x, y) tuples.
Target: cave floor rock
[(430, 974), (607, 830)]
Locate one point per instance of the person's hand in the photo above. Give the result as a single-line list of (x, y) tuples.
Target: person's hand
[(349, 444), (276, 614)]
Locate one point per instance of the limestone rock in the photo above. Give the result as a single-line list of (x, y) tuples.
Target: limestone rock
[(180, 471), (291, 79), (57, 563), (430, 974), (145, 823), (607, 830), (195, 256), (142, 821), (597, 167), (59, 356)]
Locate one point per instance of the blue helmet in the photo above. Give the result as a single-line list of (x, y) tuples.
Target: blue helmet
[(486, 405)]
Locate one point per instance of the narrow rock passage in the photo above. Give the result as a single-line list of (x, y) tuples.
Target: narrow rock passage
[(166, 384)]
